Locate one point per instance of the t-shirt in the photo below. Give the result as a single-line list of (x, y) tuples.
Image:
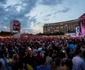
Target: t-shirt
[(3, 64), (42, 68), (77, 61)]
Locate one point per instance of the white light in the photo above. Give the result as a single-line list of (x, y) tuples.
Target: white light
[(21, 30), (26, 31), (5, 27)]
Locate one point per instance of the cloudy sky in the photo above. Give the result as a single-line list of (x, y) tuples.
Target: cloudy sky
[(33, 14)]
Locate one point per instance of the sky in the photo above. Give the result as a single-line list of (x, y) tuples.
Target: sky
[(33, 14)]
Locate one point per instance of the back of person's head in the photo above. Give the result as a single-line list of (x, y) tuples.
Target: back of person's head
[(84, 54), (62, 55), (1, 55), (57, 61), (49, 54), (68, 62), (77, 52), (42, 62), (0, 65), (15, 57)]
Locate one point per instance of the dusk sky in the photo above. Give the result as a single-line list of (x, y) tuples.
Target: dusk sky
[(33, 14)]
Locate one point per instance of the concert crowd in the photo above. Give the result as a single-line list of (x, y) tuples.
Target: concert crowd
[(42, 53)]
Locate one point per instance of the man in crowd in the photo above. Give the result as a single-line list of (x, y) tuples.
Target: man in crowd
[(43, 66), (83, 63), (77, 61)]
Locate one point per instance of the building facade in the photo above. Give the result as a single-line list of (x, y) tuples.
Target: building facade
[(66, 27)]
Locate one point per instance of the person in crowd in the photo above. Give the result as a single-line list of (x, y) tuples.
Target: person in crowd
[(0, 66), (83, 63), (43, 65), (77, 61), (7, 62), (2, 61), (49, 60), (15, 62), (22, 66), (72, 46)]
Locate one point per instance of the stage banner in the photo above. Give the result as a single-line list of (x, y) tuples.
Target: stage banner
[(77, 30)]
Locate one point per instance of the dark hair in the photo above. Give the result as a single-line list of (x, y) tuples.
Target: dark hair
[(62, 55), (57, 61), (84, 54), (43, 60), (0, 65), (1, 55), (77, 52)]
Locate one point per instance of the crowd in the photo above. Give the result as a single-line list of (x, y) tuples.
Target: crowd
[(42, 53)]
